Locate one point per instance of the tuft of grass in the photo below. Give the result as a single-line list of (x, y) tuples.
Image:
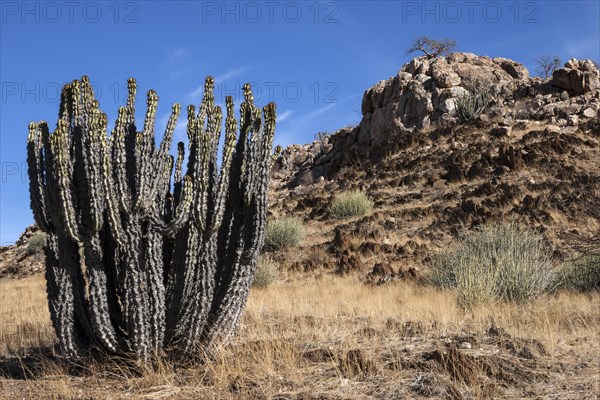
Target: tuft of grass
[(350, 204), (500, 262), (36, 243), (267, 271), (282, 233)]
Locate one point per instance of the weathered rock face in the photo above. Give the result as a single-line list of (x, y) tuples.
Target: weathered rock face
[(426, 90), (579, 77), (422, 97)]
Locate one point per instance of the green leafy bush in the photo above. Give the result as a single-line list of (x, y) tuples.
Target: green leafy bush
[(267, 271), (282, 233), (36, 243), (350, 204), (501, 262), (471, 105)]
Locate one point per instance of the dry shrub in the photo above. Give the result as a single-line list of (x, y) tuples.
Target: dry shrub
[(583, 274), (36, 243), (350, 204), (267, 271), (500, 262), (356, 363), (282, 233)]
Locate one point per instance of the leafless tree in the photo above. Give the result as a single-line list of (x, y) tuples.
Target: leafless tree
[(547, 65), (431, 47)]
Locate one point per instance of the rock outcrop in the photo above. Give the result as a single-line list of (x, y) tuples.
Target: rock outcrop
[(17, 260), (532, 155), (578, 77), (422, 97)]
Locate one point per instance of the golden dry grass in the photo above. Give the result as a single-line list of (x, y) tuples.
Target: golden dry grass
[(333, 337)]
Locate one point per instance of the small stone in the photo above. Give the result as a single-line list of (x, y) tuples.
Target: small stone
[(465, 345), (522, 114), (564, 95), (573, 120), (484, 118), (425, 122), (561, 122), (589, 112), (501, 131)]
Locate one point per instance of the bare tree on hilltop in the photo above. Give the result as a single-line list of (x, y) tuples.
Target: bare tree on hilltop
[(432, 48), (547, 65)]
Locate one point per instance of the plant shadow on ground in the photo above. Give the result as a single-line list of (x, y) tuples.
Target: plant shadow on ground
[(43, 361)]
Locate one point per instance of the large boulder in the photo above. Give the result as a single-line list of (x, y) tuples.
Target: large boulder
[(577, 76), (513, 68)]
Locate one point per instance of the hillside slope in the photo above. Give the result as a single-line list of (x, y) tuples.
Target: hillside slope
[(533, 156)]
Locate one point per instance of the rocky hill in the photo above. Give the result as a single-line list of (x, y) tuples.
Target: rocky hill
[(532, 155), (25, 257)]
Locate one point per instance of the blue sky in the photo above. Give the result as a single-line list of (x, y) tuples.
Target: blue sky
[(315, 59)]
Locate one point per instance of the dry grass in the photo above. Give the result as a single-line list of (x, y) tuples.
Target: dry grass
[(24, 317), (337, 338)]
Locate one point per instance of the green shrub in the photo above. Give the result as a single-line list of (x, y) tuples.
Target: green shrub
[(582, 274), (501, 262), (267, 271), (282, 233), (36, 243), (471, 105), (350, 204)]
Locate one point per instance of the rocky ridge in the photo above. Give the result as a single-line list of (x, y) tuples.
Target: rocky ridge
[(533, 155)]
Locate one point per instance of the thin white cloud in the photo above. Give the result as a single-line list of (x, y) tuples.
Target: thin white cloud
[(173, 56), (320, 111), (178, 52), (306, 122), (177, 63), (284, 115), (315, 113), (230, 74), (193, 95)]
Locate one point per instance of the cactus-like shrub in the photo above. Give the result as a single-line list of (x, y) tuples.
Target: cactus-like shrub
[(142, 259), (471, 105)]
